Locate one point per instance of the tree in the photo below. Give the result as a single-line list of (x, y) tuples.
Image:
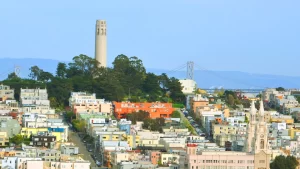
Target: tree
[(35, 72), (53, 102), (83, 65), (130, 72), (230, 100), (45, 76), (175, 114), (79, 125), (280, 89), (282, 162), (17, 139), (12, 76), (151, 87), (138, 116), (246, 119), (61, 70), (219, 92)]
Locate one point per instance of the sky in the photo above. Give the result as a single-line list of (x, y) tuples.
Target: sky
[(255, 36)]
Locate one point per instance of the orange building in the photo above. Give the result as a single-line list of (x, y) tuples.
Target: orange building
[(155, 157), (156, 109)]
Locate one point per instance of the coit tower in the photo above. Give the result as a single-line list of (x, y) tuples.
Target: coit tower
[(100, 42)]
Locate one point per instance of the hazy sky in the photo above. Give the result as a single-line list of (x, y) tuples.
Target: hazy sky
[(258, 36)]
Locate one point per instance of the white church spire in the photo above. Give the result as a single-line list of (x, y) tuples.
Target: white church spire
[(261, 109)]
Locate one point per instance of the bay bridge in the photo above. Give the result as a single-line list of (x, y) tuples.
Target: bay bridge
[(190, 67)]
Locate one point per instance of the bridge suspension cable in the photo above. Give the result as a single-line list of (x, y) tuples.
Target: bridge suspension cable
[(226, 78)]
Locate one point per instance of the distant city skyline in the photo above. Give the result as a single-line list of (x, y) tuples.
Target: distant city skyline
[(249, 36)]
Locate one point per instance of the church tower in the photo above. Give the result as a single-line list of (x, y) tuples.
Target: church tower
[(261, 156), (257, 137), (100, 42), (261, 131), (249, 147)]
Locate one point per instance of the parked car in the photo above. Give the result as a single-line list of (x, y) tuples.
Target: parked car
[(98, 163)]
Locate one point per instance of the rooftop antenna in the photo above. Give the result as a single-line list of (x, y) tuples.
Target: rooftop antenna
[(17, 71)]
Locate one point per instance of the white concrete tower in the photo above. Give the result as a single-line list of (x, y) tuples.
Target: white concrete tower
[(100, 42)]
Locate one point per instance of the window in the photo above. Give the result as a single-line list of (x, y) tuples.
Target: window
[(262, 144)]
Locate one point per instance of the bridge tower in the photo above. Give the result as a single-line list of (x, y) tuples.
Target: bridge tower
[(190, 70)]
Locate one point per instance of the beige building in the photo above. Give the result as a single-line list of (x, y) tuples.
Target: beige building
[(4, 140), (82, 102), (6, 92), (167, 158), (100, 42), (223, 129)]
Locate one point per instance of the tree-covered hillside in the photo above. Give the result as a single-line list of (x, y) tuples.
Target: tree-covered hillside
[(126, 80)]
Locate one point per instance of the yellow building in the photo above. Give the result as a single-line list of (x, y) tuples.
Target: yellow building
[(4, 140), (293, 132), (118, 136), (149, 142), (222, 129), (278, 119), (27, 132), (133, 140)]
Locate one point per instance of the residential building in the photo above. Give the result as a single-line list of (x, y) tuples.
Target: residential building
[(43, 139), (49, 154), (188, 86), (59, 131), (169, 158), (198, 101), (10, 126), (4, 139), (156, 110), (282, 118), (6, 93), (124, 125), (34, 97), (155, 157), (82, 102), (69, 149), (35, 101), (226, 129)]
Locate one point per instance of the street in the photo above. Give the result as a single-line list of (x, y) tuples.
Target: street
[(73, 137)]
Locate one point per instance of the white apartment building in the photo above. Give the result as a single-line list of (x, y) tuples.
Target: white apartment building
[(6, 92), (188, 86), (35, 101), (82, 102)]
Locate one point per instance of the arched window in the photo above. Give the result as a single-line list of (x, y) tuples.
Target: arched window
[(97, 31), (262, 144), (102, 32)]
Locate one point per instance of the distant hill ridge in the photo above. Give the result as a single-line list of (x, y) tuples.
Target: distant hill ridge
[(204, 79)]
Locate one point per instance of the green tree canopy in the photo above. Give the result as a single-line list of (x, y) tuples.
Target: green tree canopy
[(128, 76), (17, 139), (12, 76), (282, 162), (176, 114), (280, 89)]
